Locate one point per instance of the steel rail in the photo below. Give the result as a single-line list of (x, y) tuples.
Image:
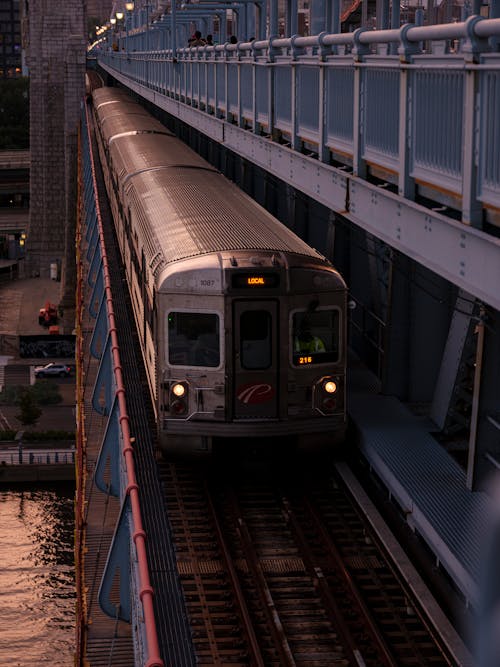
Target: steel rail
[(278, 633), (257, 658), (387, 658)]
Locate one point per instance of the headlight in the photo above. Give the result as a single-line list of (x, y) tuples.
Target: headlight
[(178, 398), (330, 387), (178, 390)]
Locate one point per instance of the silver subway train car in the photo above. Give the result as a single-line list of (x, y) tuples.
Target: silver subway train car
[(242, 325)]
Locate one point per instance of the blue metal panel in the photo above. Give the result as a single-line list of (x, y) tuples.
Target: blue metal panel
[(246, 91), (95, 267), (211, 87), (89, 205), (188, 86), (93, 241), (167, 79), (107, 478), (490, 138), (339, 107), (232, 87), (381, 105), (100, 333), (307, 102), (157, 76), (117, 568), (202, 84), (90, 214), (283, 98), (97, 291), (262, 95), (104, 389), (221, 88), (438, 100), (195, 81)]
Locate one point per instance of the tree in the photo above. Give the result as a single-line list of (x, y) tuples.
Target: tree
[(30, 412)]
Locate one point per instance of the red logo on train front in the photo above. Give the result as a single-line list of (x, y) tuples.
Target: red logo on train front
[(255, 393)]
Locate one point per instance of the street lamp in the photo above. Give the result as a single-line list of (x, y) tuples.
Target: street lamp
[(114, 45), (119, 19), (129, 6)]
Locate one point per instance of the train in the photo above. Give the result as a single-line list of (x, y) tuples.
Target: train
[(241, 323)]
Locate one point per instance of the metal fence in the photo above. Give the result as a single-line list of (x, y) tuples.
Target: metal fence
[(24, 456), (419, 103)]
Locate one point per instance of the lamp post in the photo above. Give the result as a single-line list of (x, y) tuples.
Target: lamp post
[(114, 45), (119, 18), (129, 6), (148, 7)]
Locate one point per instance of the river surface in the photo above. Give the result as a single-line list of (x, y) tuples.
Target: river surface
[(37, 589)]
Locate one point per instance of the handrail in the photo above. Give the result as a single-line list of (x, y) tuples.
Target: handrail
[(474, 27), (27, 456), (139, 536)]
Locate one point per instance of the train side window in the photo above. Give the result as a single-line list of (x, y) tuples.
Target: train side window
[(315, 337), (193, 339), (255, 340)]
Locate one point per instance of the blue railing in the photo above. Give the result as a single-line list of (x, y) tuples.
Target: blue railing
[(24, 456), (423, 118)]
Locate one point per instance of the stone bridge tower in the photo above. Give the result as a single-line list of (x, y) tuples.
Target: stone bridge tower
[(56, 53)]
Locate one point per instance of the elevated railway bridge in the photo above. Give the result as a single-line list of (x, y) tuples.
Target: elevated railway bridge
[(381, 149)]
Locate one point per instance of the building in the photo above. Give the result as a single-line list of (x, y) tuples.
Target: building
[(14, 204), (10, 39)]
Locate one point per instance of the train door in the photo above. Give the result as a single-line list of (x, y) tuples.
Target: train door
[(256, 359)]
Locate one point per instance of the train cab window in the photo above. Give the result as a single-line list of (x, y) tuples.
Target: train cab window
[(315, 337), (193, 339), (255, 340)]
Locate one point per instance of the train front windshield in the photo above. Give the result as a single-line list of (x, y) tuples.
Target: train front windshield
[(315, 337), (193, 339)]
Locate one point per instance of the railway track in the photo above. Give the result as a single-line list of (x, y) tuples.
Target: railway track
[(284, 571)]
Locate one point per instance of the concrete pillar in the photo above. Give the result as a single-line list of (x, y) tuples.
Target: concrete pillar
[(56, 60)]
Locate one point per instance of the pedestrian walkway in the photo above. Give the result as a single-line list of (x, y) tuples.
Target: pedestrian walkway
[(427, 483), (21, 301)]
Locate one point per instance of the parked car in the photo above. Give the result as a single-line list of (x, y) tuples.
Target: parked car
[(60, 370)]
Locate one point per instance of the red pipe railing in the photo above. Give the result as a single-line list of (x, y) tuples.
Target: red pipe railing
[(146, 592), (81, 603)]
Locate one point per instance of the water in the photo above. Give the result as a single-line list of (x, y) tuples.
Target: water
[(37, 589)]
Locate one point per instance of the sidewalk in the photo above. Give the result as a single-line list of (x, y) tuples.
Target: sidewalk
[(21, 301)]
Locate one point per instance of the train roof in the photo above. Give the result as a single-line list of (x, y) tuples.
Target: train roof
[(141, 152), (181, 206), (114, 126), (185, 212), (109, 94), (119, 114)]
